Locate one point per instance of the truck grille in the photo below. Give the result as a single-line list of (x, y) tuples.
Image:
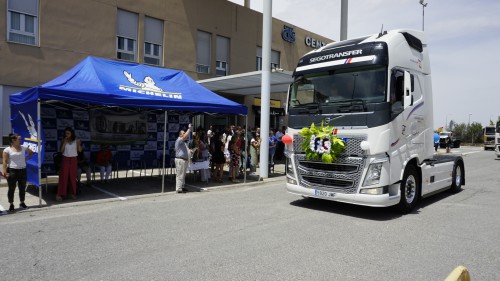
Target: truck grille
[(342, 176), (325, 167)]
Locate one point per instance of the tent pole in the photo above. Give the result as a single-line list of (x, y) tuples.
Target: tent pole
[(246, 150), (164, 148), (39, 140)]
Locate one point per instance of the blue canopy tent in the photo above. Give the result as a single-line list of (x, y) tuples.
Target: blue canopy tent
[(112, 83)]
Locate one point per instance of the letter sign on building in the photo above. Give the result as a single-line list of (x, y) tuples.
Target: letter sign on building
[(311, 42), (288, 34)]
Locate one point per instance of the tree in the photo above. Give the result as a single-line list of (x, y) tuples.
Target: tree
[(451, 125), (469, 134), (476, 132), (459, 131)]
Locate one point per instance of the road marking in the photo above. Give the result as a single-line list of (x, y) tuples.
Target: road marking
[(470, 152), (194, 186), (109, 193)]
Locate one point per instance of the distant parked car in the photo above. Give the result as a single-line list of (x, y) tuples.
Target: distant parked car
[(455, 143)]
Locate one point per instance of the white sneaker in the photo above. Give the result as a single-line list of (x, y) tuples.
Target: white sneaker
[(252, 174)]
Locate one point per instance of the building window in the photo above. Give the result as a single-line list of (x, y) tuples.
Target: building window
[(126, 35), (275, 59), (153, 39), (125, 49), (258, 63), (221, 65), (221, 68), (22, 21), (203, 52)]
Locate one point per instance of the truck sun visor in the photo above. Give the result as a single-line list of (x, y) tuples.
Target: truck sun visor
[(413, 41)]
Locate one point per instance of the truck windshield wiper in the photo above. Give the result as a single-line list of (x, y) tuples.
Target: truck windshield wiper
[(351, 105), (308, 108)]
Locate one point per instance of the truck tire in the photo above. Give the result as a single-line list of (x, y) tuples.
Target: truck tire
[(456, 178), (410, 190)]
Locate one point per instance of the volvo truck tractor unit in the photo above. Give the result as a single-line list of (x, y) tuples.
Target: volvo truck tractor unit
[(489, 137), (375, 93)]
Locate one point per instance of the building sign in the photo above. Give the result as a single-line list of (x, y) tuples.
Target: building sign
[(314, 43), (272, 111), (274, 103), (288, 34)]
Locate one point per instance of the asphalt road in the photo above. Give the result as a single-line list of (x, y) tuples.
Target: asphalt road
[(260, 232)]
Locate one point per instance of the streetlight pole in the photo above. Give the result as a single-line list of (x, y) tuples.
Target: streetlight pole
[(343, 20), (423, 8), (468, 128)]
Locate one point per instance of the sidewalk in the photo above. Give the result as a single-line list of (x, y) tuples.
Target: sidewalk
[(124, 188)]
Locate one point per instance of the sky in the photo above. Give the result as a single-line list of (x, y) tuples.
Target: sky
[(463, 40)]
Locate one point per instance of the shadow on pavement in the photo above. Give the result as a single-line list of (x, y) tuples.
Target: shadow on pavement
[(122, 188)]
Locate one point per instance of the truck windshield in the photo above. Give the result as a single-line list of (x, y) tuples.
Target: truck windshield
[(368, 84), (489, 130)]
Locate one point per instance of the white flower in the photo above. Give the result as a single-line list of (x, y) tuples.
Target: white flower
[(313, 143), (320, 146)]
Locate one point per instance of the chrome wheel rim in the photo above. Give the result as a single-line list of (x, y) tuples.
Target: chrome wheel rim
[(458, 176), (410, 189)]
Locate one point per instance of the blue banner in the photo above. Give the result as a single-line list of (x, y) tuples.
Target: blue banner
[(24, 122)]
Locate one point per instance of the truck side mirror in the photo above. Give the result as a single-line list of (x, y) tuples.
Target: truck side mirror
[(408, 97)]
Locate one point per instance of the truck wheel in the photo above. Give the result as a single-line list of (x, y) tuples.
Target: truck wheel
[(410, 190), (456, 178)]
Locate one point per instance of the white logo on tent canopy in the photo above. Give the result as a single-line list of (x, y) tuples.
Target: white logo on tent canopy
[(30, 126), (33, 133), (148, 84), (148, 87)]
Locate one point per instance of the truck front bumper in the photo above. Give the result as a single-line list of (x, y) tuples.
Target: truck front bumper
[(382, 200)]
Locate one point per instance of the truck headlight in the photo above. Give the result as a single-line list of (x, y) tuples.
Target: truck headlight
[(374, 172)]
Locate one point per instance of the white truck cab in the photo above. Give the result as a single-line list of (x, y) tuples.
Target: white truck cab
[(376, 90)]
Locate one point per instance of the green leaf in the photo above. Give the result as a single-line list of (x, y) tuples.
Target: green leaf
[(337, 145)]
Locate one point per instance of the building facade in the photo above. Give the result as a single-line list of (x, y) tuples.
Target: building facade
[(41, 39)]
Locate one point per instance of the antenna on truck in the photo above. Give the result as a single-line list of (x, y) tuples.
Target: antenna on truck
[(382, 33)]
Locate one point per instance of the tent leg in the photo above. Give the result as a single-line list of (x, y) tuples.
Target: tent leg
[(246, 150), (164, 149), (39, 137)]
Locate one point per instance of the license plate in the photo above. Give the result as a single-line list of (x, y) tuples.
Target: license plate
[(324, 193)]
